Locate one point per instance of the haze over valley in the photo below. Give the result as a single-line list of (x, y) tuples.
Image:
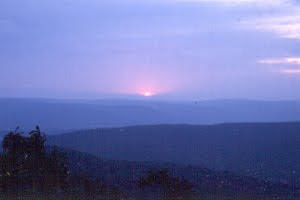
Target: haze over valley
[(58, 116)]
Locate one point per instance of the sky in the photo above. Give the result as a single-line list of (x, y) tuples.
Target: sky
[(176, 49)]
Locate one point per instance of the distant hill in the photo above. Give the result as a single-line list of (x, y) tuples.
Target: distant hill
[(125, 175), (263, 150), (57, 115)]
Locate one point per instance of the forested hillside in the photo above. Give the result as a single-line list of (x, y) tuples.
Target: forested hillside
[(30, 170), (261, 150), (206, 183)]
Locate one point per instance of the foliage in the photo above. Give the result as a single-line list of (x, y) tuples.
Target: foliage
[(170, 187), (25, 165), (249, 149), (29, 169)]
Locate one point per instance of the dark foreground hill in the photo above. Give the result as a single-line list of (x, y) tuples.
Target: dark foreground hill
[(30, 170), (66, 115), (93, 178), (268, 151), (207, 184)]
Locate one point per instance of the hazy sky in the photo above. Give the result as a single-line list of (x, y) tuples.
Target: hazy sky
[(174, 48)]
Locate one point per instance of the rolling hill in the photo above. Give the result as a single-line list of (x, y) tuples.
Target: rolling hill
[(268, 151), (207, 184)]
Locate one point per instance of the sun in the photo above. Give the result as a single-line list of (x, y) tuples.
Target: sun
[(147, 94)]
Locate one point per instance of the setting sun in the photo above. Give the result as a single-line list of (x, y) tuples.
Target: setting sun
[(148, 94)]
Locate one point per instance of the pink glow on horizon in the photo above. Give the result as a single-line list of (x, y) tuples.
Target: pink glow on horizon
[(148, 94)]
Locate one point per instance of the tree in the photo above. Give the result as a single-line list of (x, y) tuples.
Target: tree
[(170, 187), (25, 165)]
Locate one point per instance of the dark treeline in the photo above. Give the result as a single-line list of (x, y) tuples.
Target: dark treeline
[(160, 182), (266, 151), (29, 169), (25, 165)]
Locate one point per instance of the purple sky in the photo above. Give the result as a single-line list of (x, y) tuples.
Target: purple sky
[(182, 49)]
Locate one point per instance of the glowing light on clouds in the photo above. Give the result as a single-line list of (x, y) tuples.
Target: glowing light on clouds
[(288, 61), (285, 23), (295, 61), (290, 71), (283, 26)]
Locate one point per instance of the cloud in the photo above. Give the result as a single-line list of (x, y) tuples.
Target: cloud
[(239, 2), (288, 61), (295, 61), (284, 21), (283, 26), (290, 71)]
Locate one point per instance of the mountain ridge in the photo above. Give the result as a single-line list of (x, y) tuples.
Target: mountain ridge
[(264, 150), (81, 114)]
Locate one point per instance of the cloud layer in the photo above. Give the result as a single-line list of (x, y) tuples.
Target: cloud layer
[(288, 61)]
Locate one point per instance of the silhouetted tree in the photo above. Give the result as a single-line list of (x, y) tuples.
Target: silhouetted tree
[(28, 168), (170, 187), (25, 165)]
